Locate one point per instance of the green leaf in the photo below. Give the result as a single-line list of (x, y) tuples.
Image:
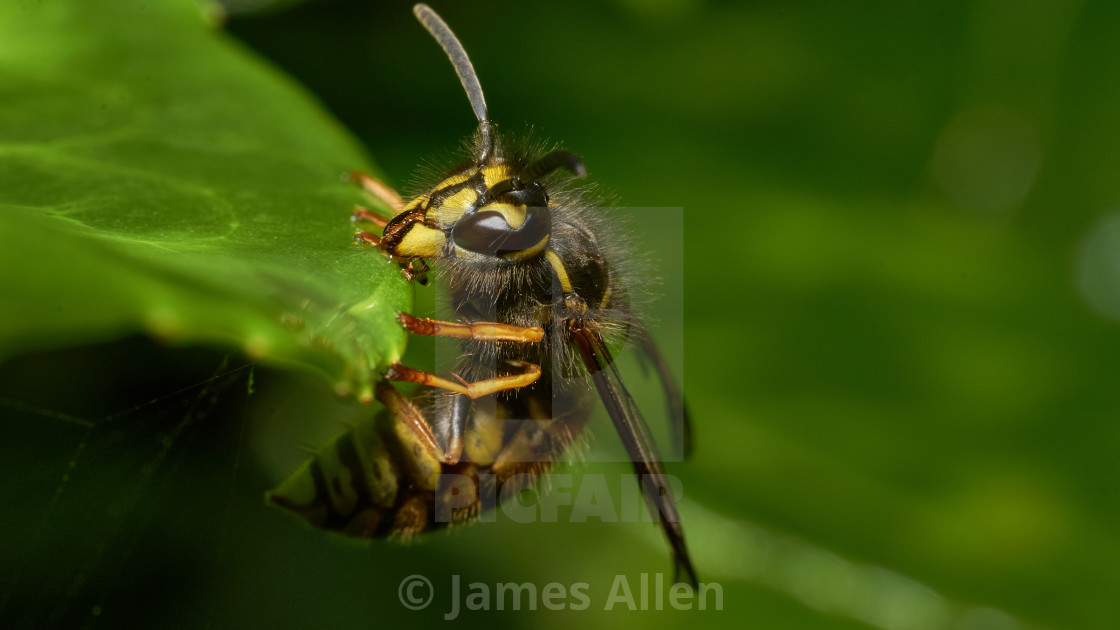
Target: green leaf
[(156, 177)]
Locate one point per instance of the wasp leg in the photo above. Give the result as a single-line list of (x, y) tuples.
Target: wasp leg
[(408, 416), (366, 215), (379, 189), (479, 331), (420, 273), (366, 238), (531, 372)]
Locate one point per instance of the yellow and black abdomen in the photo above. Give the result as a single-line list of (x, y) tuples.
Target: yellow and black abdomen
[(375, 481)]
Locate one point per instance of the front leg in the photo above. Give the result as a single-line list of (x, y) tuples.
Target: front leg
[(407, 415), (529, 375), (379, 190), (365, 215), (479, 331), (460, 409), (413, 271)]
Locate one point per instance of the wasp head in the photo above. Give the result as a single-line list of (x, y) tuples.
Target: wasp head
[(496, 211)]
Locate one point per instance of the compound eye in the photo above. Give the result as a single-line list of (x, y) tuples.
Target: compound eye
[(488, 232)]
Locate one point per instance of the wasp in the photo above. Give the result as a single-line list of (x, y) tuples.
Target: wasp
[(534, 276)]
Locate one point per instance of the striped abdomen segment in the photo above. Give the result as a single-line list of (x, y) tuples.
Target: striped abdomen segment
[(375, 480)]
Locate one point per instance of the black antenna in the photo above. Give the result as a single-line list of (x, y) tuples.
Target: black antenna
[(442, 33), (551, 162)]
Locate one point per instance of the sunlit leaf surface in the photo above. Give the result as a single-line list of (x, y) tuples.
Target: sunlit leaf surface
[(154, 177)]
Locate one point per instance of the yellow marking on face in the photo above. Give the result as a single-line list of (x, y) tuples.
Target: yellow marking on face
[(453, 208), (526, 254), (421, 242), (452, 181), (466, 254), (514, 215), (561, 272), (418, 202), (492, 175), (606, 299)]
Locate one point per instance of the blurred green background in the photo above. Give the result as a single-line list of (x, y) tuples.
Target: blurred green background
[(900, 263)]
